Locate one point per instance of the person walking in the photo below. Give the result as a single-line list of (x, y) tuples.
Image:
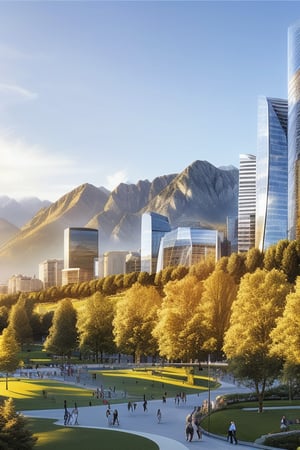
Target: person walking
[(145, 406), (75, 414), (116, 417), (189, 431), (158, 415), (108, 416), (232, 433)]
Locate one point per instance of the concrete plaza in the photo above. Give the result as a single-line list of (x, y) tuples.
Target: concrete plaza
[(169, 434)]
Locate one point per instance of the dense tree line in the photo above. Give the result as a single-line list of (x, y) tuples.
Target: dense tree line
[(244, 308)]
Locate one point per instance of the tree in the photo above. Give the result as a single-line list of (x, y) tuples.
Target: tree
[(260, 301), (286, 335), (236, 266), (62, 338), (4, 313), (254, 259), (9, 349), (176, 339), (14, 431), (95, 326), (135, 318), (290, 261), (280, 248), (19, 322), (220, 290), (270, 258), (202, 269)]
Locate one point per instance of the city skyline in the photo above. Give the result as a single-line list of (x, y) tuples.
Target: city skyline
[(110, 92)]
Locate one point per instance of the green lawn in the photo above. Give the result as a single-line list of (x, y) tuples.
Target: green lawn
[(250, 424), (51, 436)]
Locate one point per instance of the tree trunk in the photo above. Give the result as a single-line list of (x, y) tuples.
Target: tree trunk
[(6, 381)]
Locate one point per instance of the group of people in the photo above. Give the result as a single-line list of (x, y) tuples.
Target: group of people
[(193, 424), (112, 419), (70, 418)]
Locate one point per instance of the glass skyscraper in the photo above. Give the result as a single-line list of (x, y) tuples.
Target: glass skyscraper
[(187, 246), (271, 172), (154, 227), (247, 203), (81, 251), (294, 131)]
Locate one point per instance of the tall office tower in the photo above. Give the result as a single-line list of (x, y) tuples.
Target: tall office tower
[(247, 203), (187, 246), (294, 131), (271, 172), (154, 227), (50, 272), (81, 253)]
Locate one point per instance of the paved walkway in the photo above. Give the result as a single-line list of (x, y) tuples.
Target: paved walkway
[(169, 434)]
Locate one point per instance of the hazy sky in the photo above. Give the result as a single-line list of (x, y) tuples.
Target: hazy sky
[(105, 92)]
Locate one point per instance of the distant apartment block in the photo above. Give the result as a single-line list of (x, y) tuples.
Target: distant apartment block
[(81, 252), (246, 203), (114, 262), (133, 262), (271, 172), (21, 283), (50, 272)]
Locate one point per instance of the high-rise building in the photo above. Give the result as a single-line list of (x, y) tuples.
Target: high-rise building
[(154, 227), (114, 262), (81, 252), (187, 246), (294, 131), (50, 272), (271, 172), (247, 203)]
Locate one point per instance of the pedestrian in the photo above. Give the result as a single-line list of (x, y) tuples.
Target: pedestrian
[(145, 406), (232, 433), (189, 431), (108, 416), (158, 415), (284, 423), (75, 415), (198, 428), (115, 417), (129, 406), (66, 417)]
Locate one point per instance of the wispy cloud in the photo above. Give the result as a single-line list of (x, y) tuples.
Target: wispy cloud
[(17, 91), (115, 179), (27, 170)]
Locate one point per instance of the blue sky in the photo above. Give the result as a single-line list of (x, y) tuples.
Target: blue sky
[(110, 92)]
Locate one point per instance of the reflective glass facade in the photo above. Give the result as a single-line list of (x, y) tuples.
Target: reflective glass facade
[(271, 172), (187, 246), (154, 227), (294, 131), (247, 203), (81, 251)]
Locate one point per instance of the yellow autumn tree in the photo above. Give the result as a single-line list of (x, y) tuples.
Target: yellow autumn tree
[(260, 301), (176, 338)]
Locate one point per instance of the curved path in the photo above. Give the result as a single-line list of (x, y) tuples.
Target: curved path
[(169, 434)]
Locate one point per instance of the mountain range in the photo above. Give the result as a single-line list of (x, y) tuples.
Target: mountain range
[(201, 195)]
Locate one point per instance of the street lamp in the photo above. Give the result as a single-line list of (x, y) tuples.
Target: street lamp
[(208, 383)]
